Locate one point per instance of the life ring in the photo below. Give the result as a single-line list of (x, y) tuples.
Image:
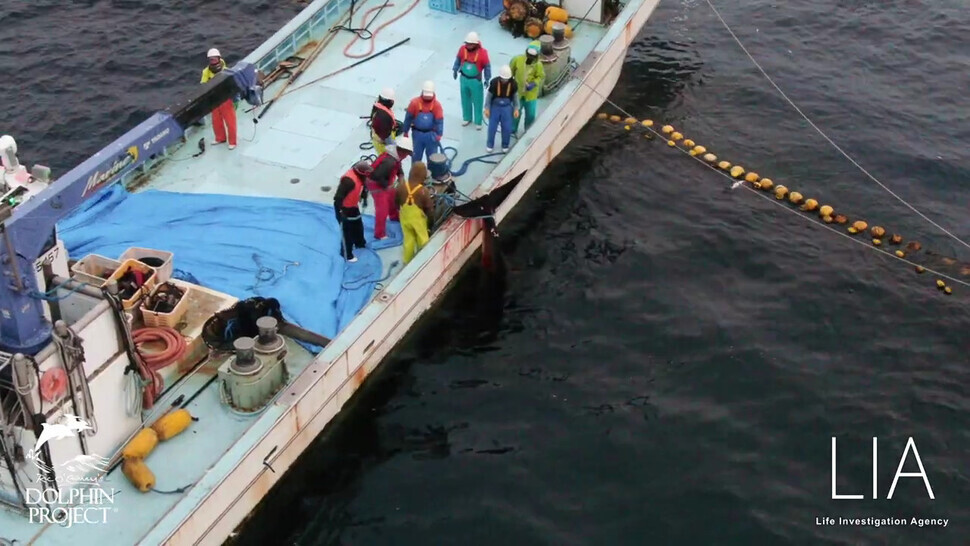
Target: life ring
[(53, 384)]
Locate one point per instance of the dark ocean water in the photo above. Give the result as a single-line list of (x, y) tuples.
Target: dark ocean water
[(668, 360)]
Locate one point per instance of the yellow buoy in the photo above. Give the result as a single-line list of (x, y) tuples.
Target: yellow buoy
[(737, 171), (647, 123), (947, 290), (138, 474), (940, 283), (667, 129), (896, 239), (827, 219), (795, 197), (724, 165), (767, 184), (826, 210), (780, 192), (676, 136), (900, 254), (877, 232), (615, 117), (877, 242), (602, 115), (752, 177), (700, 149), (172, 424), (671, 143), (853, 230), (920, 269), (141, 445), (840, 219), (810, 205), (627, 127), (692, 153), (859, 225), (710, 158), (631, 121), (688, 143)]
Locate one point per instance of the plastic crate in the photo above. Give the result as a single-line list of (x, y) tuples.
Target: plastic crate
[(487, 9), (94, 269), (146, 288), (164, 270), (153, 319), (446, 6)]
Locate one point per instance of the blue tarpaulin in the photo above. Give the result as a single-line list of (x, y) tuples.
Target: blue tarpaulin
[(243, 246)]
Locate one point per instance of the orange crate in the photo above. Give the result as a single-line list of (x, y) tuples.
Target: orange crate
[(154, 319), (151, 280)]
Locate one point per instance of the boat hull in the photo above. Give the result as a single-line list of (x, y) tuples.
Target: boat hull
[(319, 393)]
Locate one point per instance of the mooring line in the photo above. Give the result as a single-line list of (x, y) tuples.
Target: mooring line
[(826, 137), (735, 183)]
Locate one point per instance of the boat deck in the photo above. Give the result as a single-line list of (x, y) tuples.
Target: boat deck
[(298, 151), (314, 134)]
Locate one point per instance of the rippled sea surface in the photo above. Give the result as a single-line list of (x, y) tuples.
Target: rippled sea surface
[(668, 360)]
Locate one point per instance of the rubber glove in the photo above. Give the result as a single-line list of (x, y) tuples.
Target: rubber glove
[(515, 114), (455, 74), (531, 86), (438, 137), (486, 112)]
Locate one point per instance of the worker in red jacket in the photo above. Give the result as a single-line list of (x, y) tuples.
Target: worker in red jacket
[(387, 171), (346, 206), (472, 62), (224, 115), (426, 119)]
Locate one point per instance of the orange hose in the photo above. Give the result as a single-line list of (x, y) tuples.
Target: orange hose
[(377, 30), (175, 346)]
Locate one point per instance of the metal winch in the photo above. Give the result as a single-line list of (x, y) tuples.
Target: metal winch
[(554, 53), (257, 371)]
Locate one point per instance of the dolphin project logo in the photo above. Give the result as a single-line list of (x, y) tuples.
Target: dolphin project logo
[(72, 493)]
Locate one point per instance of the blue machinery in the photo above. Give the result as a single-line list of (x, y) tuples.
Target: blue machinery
[(30, 209)]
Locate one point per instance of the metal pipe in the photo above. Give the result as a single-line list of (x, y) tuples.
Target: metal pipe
[(86, 290)]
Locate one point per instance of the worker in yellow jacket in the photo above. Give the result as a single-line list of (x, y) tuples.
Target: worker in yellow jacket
[(529, 75), (224, 115)]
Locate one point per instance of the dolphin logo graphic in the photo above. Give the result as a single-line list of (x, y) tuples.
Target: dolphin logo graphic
[(72, 426)]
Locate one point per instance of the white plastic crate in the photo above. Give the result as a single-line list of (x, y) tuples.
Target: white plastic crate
[(154, 319), (164, 271), (94, 269)]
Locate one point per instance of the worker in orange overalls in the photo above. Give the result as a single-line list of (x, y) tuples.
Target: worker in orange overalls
[(224, 115), (416, 207), (346, 206)]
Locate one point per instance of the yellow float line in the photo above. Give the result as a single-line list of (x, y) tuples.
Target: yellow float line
[(781, 192)]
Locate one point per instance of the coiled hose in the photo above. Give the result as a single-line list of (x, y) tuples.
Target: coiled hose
[(175, 346)]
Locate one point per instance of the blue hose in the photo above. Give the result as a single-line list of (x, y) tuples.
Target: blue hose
[(464, 166)]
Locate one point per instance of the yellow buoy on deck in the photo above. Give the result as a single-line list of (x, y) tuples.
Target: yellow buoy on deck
[(795, 197), (780, 192), (825, 210), (810, 205), (859, 225), (767, 184), (138, 474), (710, 158), (840, 219), (688, 143), (877, 242), (141, 445), (877, 232), (737, 171), (667, 129), (615, 117), (896, 239), (676, 136), (724, 165), (671, 143), (631, 121), (827, 219), (647, 123), (173, 424), (700, 149), (752, 177)]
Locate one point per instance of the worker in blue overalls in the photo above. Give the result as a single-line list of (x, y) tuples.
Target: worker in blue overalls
[(501, 107), (426, 117)]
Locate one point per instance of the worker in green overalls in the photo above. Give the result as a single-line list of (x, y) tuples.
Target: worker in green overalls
[(529, 75), (471, 62)]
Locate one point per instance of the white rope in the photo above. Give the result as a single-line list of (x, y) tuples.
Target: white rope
[(826, 137), (735, 183)]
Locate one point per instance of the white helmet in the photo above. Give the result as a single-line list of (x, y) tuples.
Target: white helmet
[(404, 143), (472, 38), (505, 72), (387, 93), (428, 87), (213, 53)]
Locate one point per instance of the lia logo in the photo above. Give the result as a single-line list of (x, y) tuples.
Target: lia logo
[(910, 445)]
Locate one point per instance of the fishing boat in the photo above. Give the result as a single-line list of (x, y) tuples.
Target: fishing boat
[(176, 319)]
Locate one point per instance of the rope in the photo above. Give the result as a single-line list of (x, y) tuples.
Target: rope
[(49, 295), (826, 137), (777, 202), (373, 34)]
